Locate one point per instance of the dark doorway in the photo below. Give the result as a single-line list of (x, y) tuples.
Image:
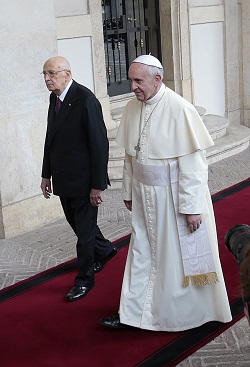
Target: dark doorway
[(131, 28)]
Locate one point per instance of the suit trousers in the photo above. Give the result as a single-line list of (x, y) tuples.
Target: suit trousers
[(91, 245)]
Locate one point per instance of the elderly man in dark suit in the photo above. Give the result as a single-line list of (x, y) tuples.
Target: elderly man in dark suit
[(76, 158)]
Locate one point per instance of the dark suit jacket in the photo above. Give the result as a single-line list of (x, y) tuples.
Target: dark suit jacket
[(76, 145)]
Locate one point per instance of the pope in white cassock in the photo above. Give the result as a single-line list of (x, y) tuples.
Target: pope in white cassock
[(173, 279)]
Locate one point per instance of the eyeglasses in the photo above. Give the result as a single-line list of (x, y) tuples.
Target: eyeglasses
[(51, 73)]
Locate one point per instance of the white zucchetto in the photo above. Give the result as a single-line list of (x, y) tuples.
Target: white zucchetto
[(148, 60)]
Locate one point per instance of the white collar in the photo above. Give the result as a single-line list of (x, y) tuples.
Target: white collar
[(62, 96), (158, 95)]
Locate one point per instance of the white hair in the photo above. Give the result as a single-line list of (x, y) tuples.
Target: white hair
[(154, 70)]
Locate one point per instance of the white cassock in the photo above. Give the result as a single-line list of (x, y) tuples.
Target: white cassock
[(167, 180)]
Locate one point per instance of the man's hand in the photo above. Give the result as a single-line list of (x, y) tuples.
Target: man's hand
[(193, 221), (46, 187), (95, 197), (128, 204)]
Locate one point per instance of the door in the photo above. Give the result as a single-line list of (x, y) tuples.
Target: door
[(131, 28)]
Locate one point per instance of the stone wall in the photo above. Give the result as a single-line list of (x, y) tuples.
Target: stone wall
[(28, 37)]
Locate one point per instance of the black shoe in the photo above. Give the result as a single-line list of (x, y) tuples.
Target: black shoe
[(77, 292), (99, 265), (113, 322)]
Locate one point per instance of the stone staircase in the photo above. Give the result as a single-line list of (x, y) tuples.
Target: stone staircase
[(229, 140)]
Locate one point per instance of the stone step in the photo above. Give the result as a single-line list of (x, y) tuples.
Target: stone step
[(116, 114), (216, 125), (229, 140), (116, 153), (112, 134), (233, 142)]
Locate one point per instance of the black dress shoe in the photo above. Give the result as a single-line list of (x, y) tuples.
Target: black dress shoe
[(113, 322), (77, 292), (99, 265)]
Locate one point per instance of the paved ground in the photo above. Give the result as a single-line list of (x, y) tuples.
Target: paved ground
[(33, 252)]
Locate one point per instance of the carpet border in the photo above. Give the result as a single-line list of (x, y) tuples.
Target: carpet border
[(223, 194), (49, 274), (170, 355)]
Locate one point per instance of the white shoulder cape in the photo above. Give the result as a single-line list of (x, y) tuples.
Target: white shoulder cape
[(176, 128)]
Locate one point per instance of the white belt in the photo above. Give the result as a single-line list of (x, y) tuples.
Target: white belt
[(155, 175)]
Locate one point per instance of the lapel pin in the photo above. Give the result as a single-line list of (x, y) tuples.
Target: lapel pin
[(69, 104)]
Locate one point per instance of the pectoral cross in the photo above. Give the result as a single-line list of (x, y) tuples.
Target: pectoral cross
[(137, 148)]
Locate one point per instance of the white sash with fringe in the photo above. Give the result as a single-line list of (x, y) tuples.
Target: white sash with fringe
[(197, 258)]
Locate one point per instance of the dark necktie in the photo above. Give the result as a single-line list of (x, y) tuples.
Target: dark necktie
[(58, 104)]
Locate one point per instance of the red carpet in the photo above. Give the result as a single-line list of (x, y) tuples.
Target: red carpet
[(39, 329)]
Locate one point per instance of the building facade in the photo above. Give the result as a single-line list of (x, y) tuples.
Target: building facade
[(203, 46)]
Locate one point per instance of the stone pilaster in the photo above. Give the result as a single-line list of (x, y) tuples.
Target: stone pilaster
[(244, 20), (99, 67), (175, 31), (232, 74)]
